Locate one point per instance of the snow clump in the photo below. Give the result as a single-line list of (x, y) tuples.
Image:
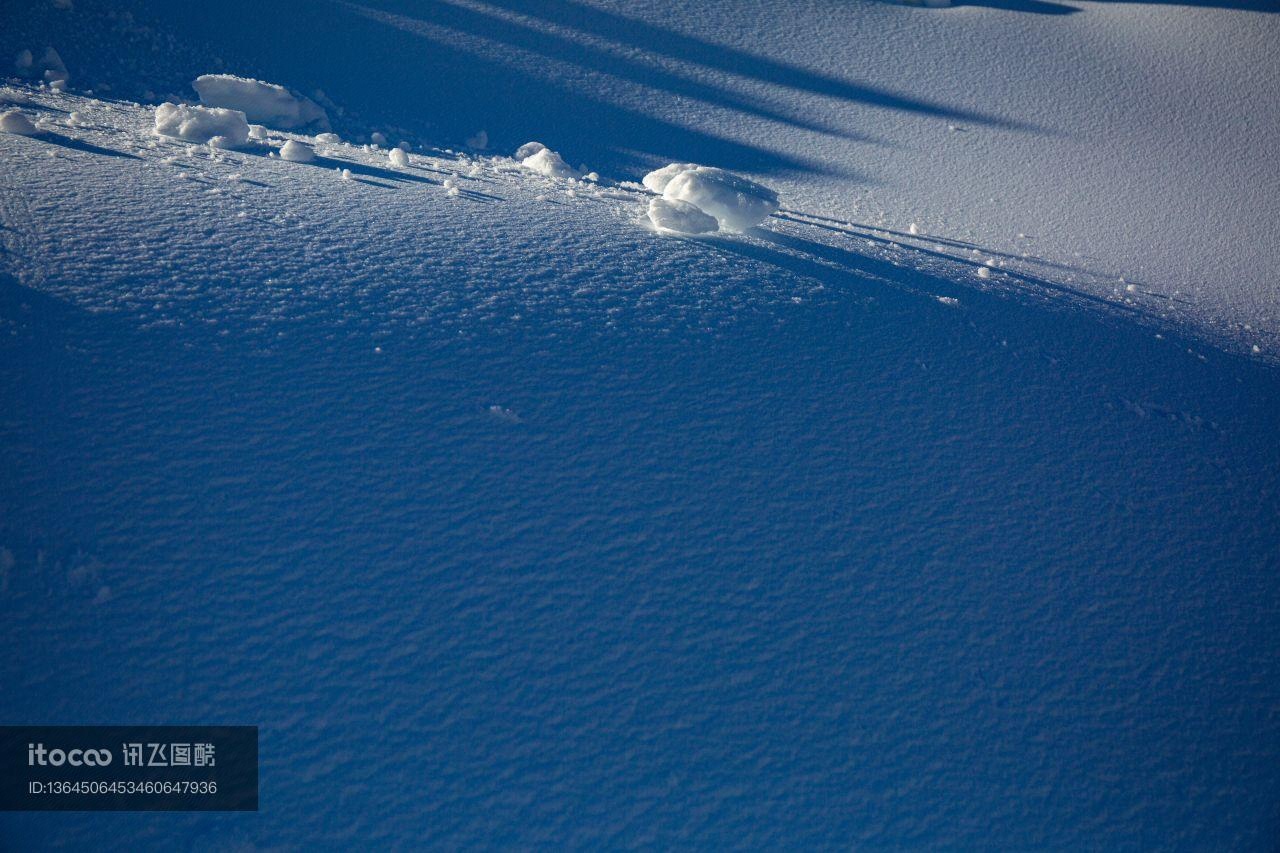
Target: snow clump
[(529, 149), (264, 103), (398, 158), (680, 216), (547, 162), (736, 203), (657, 180), (13, 121), (201, 124), (331, 138), (297, 152)]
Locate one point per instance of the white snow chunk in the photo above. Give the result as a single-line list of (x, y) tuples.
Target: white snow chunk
[(398, 158), (984, 272), (297, 152), (13, 121), (736, 202), (202, 124), (331, 138), (529, 149), (549, 163), (257, 131), (949, 300), (681, 217), (378, 138), (479, 141), (265, 103), (657, 180), (55, 71)]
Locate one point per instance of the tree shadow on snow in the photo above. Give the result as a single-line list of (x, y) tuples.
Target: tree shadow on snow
[(80, 145), (572, 76)]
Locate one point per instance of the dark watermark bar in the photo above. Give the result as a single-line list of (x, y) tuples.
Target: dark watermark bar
[(128, 768)]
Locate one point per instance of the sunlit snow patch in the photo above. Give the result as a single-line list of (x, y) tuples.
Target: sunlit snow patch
[(735, 203), (544, 161), (222, 128), (264, 103)]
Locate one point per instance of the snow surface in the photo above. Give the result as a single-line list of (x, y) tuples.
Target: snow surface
[(264, 103), (513, 523)]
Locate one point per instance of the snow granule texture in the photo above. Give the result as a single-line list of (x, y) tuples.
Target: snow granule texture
[(297, 152), (202, 124), (13, 121), (398, 158), (549, 163), (680, 216), (265, 103), (737, 203)]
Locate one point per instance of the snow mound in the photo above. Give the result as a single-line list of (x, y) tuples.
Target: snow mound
[(223, 128), (331, 138), (13, 121), (297, 152), (398, 158), (529, 149), (680, 216), (549, 163), (264, 103), (657, 180), (737, 203)]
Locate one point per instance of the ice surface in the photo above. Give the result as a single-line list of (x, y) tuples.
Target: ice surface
[(263, 103), (202, 124)]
